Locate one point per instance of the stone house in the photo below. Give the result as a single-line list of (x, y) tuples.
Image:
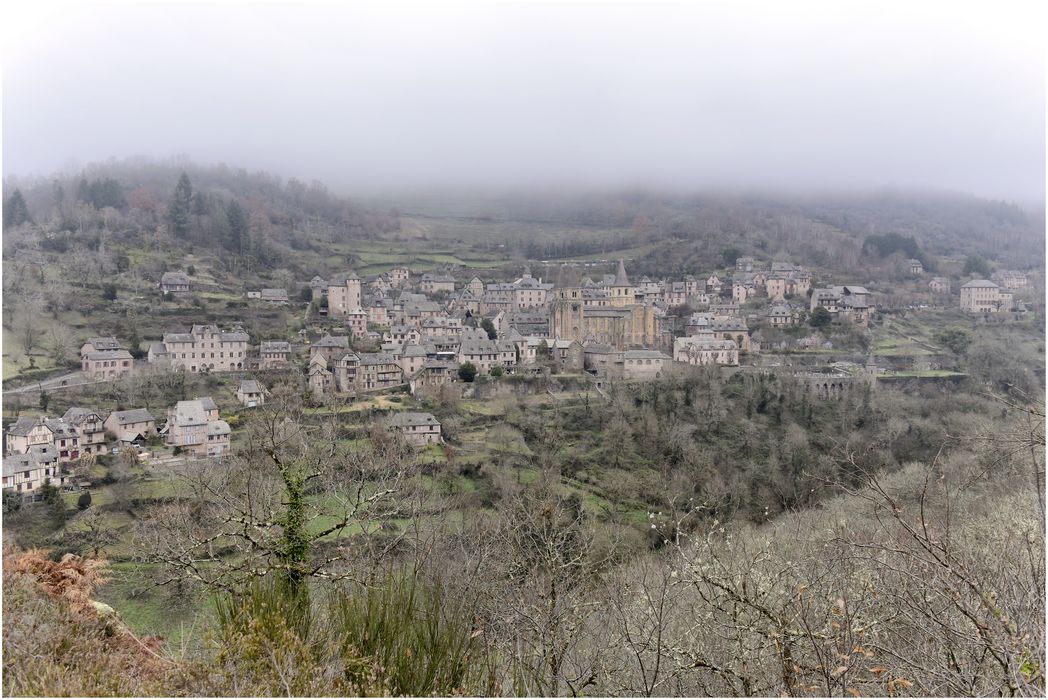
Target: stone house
[(99, 343), (274, 296), (644, 364), (481, 353), (320, 379), (529, 322), (400, 277), (848, 302), (330, 347), (319, 287), (174, 283), (344, 295), (603, 360), (107, 364), (567, 355), (128, 426), (916, 266), (194, 426), (378, 312), (781, 315), (419, 429), (475, 287), (720, 327), (204, 348), (27, 432), (433, 282), (90, 428), (702, 350), (982, 296), (274, 354), (378, 370), (26, 473), (1012, 279), (401, 334), (357, 321), (434, 373), (411, 358), (251, 393)]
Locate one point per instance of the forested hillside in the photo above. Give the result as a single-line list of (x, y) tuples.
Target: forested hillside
[(724, 530)]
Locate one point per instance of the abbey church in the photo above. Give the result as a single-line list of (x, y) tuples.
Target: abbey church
[(605, 313)]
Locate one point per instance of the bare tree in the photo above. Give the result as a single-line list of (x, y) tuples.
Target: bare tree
[(284, 504)]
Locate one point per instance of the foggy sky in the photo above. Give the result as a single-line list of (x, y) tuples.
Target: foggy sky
[(367, 97)]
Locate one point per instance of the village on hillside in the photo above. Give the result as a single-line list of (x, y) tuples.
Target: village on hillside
[(450, 331)]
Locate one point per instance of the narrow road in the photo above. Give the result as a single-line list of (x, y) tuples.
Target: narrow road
[(63, 381)]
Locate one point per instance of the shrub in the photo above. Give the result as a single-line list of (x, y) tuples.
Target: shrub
[(84, 501), (396, 638), (467, 372)]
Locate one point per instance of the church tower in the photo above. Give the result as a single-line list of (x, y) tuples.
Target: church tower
[(622, 293)]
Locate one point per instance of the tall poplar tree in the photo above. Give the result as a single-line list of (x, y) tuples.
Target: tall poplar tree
[(180, 208), (15, 210)]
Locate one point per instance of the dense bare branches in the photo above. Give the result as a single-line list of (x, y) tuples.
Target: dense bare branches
[(288, 501)]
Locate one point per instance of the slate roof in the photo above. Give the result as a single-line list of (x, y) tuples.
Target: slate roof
[(135, 415), (406, 419)]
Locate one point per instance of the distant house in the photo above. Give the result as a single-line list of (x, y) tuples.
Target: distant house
[(849, 302), (357, 321), (916, 266), (644, 364), (90, 429), (128, 426), (1012, 279), (567, 355), (602, 360), (705, 350), (321, 380), (434, 373), (376, 370), (26, 473), (174, 283), (251, 393), (274, 296), (274, 354), (330, 347), (344, 294), (204, 348), (399, 276), (194, 426), (419, 429), (29, 432), (781, 315), (319, 287), (432, 282), (106, 364), (980, 296), (97, 344)]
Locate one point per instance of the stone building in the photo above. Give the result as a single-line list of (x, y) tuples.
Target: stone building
[(204, 348), (128, 426), (705, 351), (195, 427), (419, 429), (107, 364), (981, 296), (344, 295), (89, 427), (274, 354)]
